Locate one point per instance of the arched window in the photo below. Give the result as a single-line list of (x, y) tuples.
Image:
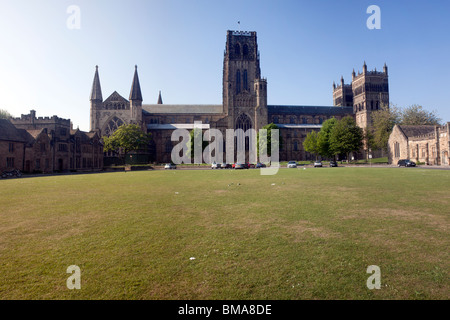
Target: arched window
[(112, 126), (295, 146), (275, 119), (292, 120), (237, 49), (397, 149), (245, 80), (304, 120), (238, 81), (243, 122), (245, 51)]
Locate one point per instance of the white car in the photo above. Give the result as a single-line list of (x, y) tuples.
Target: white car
[(170, 166), (215, 165), (318, 164), (292, 164)]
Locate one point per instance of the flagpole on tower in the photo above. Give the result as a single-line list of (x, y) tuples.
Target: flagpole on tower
[(239, 28)]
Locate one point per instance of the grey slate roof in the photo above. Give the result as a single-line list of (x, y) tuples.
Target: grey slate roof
[(311, 110), (419, 130), (8, 132), (182, 109)]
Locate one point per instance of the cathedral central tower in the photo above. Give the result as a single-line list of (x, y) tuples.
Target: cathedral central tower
[(244, 91)]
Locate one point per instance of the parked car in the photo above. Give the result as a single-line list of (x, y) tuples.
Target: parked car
[(238, 165), (250, 165), (225, 165), (216, 165), (333, 163), (406, 163), (260, 165), (292, 164), (318, 164), (170, 166), (15, 172)]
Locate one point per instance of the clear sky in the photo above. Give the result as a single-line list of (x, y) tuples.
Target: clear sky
[(178, 46)]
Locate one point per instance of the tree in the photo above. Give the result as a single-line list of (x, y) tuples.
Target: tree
[(383, 121), (416, 115), (267, 145), (311, 143), (324, 138), (196, 133), (4, 114), (346, 137), (125, 139)]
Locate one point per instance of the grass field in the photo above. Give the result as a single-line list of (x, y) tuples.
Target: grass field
[(300, 234)]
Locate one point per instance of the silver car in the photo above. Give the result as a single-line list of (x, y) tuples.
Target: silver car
[(215, 165), (170, 166), (292, 164)]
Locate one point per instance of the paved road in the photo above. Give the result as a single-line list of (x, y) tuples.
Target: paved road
[(311, 166)]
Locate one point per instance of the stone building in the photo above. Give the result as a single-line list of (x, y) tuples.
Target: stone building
[(48, 144), (426, 144), (244, 105), (12, 146), (368, 91)]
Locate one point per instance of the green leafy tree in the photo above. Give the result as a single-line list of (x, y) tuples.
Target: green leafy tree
[(383, 121), (125, 139), (196, 133), (416, 115), (369, 139), (4, 114), (324, 138), (267, 144), (346, 137), (311, 143)]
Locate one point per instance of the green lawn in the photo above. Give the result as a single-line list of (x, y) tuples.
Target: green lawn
[(301, 234)]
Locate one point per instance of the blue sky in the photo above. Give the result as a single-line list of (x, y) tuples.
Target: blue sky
[(178, 46)]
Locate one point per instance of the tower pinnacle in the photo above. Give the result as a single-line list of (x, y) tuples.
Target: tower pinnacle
[(160, 98), (135, 93), (96, 92)]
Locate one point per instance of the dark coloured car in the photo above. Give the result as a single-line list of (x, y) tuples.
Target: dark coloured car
[(260, 165), (333, 164), (406, 163), (225, 165), (238, 165)]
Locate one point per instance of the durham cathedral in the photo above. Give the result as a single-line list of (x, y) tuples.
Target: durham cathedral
[(244, 105)]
